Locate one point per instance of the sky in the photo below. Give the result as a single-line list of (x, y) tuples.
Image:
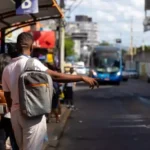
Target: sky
[(114, 19)]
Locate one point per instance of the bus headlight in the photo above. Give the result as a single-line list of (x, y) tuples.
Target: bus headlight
[(94, 73), (118, 73)]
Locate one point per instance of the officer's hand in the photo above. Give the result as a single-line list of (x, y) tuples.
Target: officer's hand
[(90, 81)]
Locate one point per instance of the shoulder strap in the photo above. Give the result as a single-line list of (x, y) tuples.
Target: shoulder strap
[(29, 64)]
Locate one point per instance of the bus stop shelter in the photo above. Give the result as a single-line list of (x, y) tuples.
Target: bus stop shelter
[(48, 9)]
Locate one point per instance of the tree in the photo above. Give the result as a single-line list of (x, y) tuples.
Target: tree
[(104, 43), (146, 49), (69, 45), (124, 52)]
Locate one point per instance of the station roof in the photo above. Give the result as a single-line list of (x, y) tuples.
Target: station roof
[(48, 9)]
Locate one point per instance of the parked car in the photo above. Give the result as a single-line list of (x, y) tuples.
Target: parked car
[(148, 78), (125, 75), (87, 71), (81, 70), (132, 73)]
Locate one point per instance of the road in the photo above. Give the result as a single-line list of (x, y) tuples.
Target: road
[(110, 118)]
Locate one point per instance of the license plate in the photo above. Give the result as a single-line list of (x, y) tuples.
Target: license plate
[(106, 79)]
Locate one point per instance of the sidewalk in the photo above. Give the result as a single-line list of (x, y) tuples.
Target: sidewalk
[(55, 130), (143, 78)]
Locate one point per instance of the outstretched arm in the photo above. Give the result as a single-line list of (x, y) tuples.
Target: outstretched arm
[(61, 77)]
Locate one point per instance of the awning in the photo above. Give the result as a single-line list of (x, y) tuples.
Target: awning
[(48, 9)]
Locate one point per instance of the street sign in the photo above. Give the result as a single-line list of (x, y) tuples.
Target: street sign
[(118, 40), (26, 7), (44, 39)]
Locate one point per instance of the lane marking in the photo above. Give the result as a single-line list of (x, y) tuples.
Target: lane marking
[(129, 126), (144, 100), (127, 120)]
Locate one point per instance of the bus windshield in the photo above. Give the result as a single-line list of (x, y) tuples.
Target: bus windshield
[(107, 61)]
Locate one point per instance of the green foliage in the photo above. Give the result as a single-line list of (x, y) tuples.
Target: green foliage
[(69, 45), (104, 43), (140, 49), (124, 52)]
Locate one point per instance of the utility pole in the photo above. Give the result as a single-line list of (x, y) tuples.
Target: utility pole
[(131, 44), (62, 38), (143, 46), (135, 50)]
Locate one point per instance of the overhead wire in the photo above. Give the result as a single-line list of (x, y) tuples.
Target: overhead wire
[(76, 6), (72, 5), (69, 7)]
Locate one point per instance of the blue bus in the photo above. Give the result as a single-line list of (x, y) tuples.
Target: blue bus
[(106, 64)]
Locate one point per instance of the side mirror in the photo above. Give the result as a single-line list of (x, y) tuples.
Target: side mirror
[(122, 67)]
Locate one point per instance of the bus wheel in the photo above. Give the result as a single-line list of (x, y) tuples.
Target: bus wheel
[(117, 83)]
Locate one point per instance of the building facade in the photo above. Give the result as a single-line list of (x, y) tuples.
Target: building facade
[(85, 30), (86, 25)]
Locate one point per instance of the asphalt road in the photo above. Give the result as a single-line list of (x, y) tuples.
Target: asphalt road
[(110, 118)]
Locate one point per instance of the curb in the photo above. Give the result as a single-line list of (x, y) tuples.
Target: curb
[(143, 78), (55, 136)]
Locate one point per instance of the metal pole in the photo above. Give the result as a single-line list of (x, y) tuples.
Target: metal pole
[(62, 38), (62, 47), (143, 46), (135, 50), (131, 48)]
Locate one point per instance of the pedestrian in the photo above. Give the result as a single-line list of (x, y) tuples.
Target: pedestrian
[(2, 136), (5, 118), (55, 100), (68, 90), (29, 133), (2, 131)]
